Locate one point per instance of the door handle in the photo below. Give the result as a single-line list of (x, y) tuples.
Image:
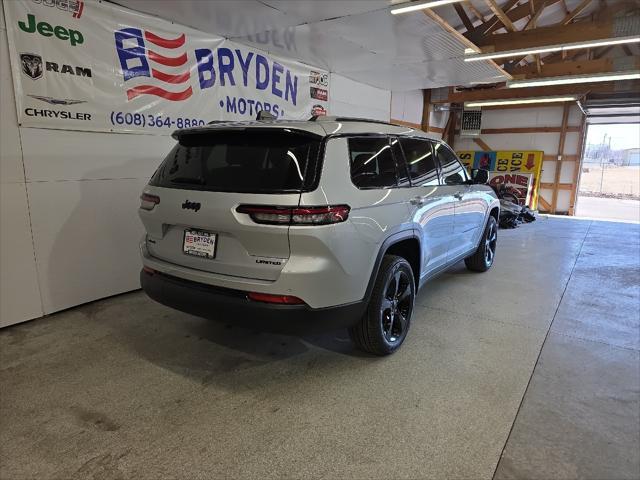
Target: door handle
[(458, 195), (417, 201)]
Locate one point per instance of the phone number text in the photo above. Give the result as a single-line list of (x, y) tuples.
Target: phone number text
[(157, 121)]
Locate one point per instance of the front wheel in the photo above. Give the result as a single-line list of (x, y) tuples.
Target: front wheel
[(482, 259), (385, 324)]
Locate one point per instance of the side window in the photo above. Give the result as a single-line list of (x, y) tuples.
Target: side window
[(371, 161), (420, 161), (451, 170)]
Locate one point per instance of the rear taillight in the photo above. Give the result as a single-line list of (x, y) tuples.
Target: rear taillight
[(148, 201), (279, 299), (296, 215)]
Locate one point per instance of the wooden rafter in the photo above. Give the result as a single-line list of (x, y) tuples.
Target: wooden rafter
[(479, 31), (536, 14), (498, 12), (466, 21), (519, 12), (575, 12), (475, 11)]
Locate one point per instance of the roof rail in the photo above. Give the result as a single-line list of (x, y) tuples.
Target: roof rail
[(325, 118)]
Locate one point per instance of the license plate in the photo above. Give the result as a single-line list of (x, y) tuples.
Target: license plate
[(200, 243)]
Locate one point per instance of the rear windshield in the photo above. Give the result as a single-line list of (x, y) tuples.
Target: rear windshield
[(249, 161)]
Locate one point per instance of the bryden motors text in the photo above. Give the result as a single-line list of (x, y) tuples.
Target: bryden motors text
[(35, 112)]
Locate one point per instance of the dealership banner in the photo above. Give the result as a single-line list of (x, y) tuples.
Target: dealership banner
[(90, 65), (507, 164)]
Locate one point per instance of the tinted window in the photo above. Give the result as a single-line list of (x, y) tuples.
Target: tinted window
[(240, 161), (372, 164), (451, 170), (420, 161)]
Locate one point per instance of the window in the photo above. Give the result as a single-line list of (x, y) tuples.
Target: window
[(420, 161), (372, 164), (451, 170), (240, 161)]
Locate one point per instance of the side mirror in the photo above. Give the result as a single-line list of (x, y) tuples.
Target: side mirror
[(479, 176)]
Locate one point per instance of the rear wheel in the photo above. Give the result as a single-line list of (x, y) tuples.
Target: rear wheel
[(482, 260), (385, 324)]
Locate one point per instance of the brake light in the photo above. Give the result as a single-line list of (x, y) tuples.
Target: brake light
[(280, 299), (296, 215), (148, 201)]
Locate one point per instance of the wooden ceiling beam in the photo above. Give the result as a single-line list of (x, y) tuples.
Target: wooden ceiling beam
[(498, 12), (579, 89), (543, 36), (580, 67)]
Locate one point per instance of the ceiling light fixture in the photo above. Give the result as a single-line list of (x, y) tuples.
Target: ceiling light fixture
[(412, 7), (520, 101), (475, 57), (591, 78)]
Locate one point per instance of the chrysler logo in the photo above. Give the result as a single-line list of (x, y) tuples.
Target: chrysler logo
[(187, 205)]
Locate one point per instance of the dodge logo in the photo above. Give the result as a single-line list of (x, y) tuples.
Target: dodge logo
[(187, 205), (31, 65)]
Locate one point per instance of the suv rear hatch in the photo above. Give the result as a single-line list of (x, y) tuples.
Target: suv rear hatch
[(207, 176)]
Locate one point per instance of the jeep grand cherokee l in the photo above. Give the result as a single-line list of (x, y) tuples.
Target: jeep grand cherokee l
[(295, 225)]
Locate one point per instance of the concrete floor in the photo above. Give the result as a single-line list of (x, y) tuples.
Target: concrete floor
[(616, 209), (531, 370)]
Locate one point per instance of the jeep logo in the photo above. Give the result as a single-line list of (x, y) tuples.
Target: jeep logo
[(187, 205), (46, 30)]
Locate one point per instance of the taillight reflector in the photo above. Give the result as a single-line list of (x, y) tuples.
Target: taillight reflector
[(148, 201), (269, 298), (296, 215)]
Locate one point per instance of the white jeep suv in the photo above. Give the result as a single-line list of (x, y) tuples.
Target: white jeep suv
[(303, 225)]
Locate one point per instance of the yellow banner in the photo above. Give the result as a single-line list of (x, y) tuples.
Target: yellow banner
[(508, 161)]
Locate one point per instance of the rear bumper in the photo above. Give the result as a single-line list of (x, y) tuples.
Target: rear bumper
[(233, 307)]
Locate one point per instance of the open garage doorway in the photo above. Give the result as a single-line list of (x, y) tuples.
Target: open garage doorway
[(610, 178)]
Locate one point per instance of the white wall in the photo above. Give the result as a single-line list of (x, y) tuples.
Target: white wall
[(69, 229), (407, 106), (353, 99), (19, 292)]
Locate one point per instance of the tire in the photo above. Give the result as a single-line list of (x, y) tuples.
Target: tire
[(484, 256), (385, 324)]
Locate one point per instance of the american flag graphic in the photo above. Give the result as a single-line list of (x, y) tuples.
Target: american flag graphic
[(153, 65)]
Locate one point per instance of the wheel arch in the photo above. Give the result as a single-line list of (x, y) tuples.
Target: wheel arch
[(405, 244)]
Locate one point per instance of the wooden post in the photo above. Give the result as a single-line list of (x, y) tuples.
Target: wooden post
[(578, 167), (563, 137), (426, 105)]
